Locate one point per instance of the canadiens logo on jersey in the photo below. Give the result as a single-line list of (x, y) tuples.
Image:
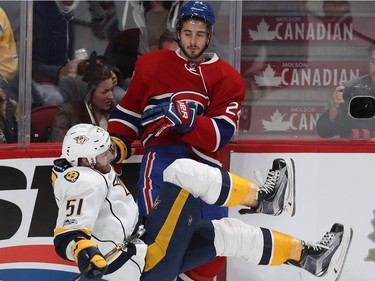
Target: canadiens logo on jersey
[(72, 176), (201, 100), (191, 67)]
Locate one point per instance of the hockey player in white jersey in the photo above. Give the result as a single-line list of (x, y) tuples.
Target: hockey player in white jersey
[(97, 212)]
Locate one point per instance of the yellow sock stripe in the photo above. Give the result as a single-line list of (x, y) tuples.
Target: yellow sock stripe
[(240, 188), (157, 250), (285, 248)]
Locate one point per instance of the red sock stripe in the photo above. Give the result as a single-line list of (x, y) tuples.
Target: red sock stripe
[(147, 190)]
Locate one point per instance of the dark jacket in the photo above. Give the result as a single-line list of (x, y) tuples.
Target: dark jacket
[(52, 41), (123, 50)]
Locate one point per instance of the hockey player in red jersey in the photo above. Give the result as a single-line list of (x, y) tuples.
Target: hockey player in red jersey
[(188, 102)]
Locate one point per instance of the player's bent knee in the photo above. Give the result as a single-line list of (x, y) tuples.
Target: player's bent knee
[(171, 173), (181, 173)]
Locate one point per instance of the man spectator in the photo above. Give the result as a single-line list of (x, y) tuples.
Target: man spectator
[(53, 49), (335, 120)]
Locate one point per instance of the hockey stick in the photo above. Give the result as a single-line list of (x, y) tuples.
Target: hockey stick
[(141, 230)]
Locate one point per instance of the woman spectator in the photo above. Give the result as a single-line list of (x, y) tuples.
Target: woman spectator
[(82, 106)]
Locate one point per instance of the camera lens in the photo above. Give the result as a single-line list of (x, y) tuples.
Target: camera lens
[(362, 107)]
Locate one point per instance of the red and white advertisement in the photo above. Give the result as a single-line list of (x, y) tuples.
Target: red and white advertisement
[(300, 74), (280, 119), (287, 28)]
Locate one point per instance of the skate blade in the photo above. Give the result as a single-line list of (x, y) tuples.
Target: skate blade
[(290, 202), (335, 268)]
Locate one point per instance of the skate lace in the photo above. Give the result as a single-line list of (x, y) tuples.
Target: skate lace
[(323, 244), (270, 183), (258, 178)]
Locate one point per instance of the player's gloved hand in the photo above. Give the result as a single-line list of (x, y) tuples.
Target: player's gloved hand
[(179, 116), (128, 252), (86, 252), (122, 148)]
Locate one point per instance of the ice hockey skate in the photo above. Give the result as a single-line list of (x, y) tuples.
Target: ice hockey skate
[(320, 259), (277, 194)]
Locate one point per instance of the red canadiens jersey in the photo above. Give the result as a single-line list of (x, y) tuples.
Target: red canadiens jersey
[(165, 76)]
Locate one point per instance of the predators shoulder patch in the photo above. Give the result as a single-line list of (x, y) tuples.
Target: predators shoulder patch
[(72, 176)]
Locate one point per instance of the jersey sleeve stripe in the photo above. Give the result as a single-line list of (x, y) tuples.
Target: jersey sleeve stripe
[(128, 112), (206, 158), (127, 124)]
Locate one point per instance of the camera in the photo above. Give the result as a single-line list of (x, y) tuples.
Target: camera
[(360, 100)]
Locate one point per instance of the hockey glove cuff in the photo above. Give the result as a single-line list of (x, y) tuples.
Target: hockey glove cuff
[(86, 252), (123, 149)]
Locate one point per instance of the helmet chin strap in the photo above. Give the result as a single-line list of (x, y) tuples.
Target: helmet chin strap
[(92, 162)]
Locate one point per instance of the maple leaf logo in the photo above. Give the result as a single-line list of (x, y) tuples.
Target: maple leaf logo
[(268, 78), (371, 236), (262, 32), (276, 123)]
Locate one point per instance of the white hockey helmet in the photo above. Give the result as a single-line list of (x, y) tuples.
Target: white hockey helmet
[(85, 140)]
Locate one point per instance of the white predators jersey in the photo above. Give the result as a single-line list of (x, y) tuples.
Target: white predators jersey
[(99, 204)]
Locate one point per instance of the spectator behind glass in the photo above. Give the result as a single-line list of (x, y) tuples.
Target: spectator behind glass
[(8, 51), (8, 70), (118, 91), (167, 41), (8, 119), (100, 100), (337, 12), (104, 22), (335, 121), (152, 18), (53, 49)]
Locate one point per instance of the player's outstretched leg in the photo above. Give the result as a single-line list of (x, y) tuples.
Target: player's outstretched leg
[(320, 259), (277, 194), (263, 246)]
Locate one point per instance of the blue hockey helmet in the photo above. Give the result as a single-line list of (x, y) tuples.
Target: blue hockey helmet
[(198, 10)]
